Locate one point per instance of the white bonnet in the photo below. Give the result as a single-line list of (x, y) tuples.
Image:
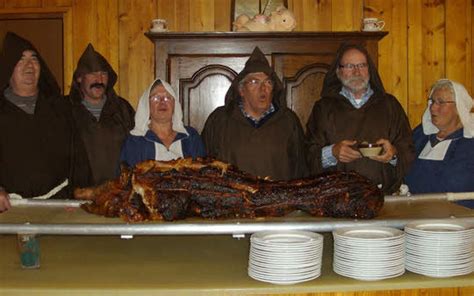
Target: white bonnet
[(464, 105), (142, 116)]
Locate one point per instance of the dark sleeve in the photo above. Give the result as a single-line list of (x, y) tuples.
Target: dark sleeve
[(196, 145), (80, 174), (401, 138), (129, 114), (297, 150), (210, 135), (131, 152), (315, 140)]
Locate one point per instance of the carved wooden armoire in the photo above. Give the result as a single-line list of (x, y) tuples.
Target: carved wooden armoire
[(201, 66)]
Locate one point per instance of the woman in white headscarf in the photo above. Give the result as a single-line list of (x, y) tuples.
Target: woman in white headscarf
[(444, 143), (159, 132)]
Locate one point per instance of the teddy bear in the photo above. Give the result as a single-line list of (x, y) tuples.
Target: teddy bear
[(281, 19)]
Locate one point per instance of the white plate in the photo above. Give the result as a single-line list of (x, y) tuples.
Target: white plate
[(286, 237), (370, 233), (282, 282), (437, 226)]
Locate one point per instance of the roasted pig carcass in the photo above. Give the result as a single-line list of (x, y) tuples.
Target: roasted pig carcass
[(159, 190)]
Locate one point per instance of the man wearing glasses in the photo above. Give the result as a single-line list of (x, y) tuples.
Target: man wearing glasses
[(354, 108), (255, 130)]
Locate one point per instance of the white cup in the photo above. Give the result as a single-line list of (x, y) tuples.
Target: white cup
[(159, 25), (371, 24)]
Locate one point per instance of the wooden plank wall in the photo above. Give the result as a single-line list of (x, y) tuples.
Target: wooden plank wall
[(428, 39)]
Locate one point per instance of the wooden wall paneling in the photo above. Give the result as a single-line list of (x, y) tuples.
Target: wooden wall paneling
[(2, 4), (357, 14), (107, 42), (416, 92), (312, 15), (393, 48), (84, 26), (68, 61), (317, 15), (433, 20), (222, 15), (342, 15), (466, 291), (23, 4), (458, 41), (136, 51), (57, 3), (201, 15), (166, 9), (183, 15)]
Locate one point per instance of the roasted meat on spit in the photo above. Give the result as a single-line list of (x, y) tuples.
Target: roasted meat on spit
[(159, 190)]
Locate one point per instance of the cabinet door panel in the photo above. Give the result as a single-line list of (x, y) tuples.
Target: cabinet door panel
[(202, 83)]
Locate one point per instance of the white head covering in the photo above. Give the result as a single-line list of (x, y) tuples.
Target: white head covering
[(142, 116), (464, 105)]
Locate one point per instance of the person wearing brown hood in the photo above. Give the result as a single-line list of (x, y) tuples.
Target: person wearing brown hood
[(34, 124), (102, 120), (255, 130), (354, 108)]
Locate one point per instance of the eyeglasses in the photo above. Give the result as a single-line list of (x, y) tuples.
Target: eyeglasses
[(156, 99), (440, 102), (360, 66), (257, 82)]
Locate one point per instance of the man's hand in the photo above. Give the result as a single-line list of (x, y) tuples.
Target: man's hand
[(343, 151), (389, 151), (4, 201)]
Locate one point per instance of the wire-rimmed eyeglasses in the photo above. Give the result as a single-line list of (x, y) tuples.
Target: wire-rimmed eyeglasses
[(360, 66), (156, 99), (258, 82), (440, 102)]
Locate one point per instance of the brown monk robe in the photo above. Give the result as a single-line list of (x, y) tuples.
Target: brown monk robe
[(35, 126), (334, 119), (272, 145), (101, 137)]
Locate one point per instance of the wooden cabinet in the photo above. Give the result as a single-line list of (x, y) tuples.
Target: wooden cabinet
[(201, 66)]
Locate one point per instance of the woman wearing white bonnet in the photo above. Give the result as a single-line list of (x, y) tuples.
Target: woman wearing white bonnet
[(444, 143), (159, 132)]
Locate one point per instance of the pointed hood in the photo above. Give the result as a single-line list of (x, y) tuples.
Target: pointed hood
[(13, 48), (257, 63), (142, 116), (332, 84), (464, 105), (92, 61)]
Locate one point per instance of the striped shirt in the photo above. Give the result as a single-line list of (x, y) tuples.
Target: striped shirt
[(27, 104), (95, 109)]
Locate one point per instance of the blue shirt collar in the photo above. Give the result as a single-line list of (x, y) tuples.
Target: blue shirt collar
[(365, 97), (151, 136), (257, 121)]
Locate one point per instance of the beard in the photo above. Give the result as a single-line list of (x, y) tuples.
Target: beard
[(355, 83)]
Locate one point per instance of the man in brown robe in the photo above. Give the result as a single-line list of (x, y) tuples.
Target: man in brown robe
[(34, 126), (255, 130), (102, 120), (354, 108)]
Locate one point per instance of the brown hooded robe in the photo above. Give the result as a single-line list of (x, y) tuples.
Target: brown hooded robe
[(275, 149), (97, 154), (334, 119), (34, 148)]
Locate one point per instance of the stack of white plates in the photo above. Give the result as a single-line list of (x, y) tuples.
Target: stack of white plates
[(369, 253), (439, 248), (285, 257)]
